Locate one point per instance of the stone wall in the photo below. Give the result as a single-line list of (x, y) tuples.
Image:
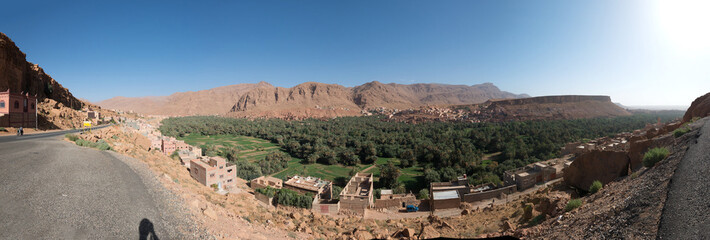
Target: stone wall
[(325, 207), (263, 198), (354, 204), (396, 201), (495, 193), (445, 203)]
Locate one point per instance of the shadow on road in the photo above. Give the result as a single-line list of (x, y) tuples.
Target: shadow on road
[(146, 230)]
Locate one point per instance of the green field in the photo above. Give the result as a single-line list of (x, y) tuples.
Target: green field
[(412, 177), (251, 149), (255, 149)]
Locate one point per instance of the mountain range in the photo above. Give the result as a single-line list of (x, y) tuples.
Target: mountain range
[(310, 99)]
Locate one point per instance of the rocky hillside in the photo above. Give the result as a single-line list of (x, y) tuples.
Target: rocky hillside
[(57, 107), (19, 75), (375, 94), (206, 102), (328, 100), (554, 107), (699, 108), (518, 109)]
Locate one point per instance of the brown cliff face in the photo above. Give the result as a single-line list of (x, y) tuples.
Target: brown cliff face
[(699, 108), (206, 102), (330, 100), (310, 94), (21, 76), (554, 107), (375, 94)]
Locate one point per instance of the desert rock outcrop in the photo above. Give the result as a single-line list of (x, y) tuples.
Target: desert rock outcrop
[(699, 108), (20, 76)]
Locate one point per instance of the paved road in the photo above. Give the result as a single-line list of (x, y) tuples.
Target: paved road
[(686, 214), (50, 188)]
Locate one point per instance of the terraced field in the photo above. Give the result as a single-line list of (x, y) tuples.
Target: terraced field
[(251, 149)]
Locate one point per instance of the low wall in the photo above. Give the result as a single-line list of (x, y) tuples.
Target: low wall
[(263, 198), (354, 204), (445, 204), (396, 202), (495, 193), (326, 208)]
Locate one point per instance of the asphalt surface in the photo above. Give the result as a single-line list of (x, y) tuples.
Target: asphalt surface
[(53, 189), (686, 214)]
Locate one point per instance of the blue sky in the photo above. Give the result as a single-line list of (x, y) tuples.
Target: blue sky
[(638, 52)]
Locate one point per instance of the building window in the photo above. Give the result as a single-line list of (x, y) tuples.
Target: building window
[(2, 104), (220, 167), (212, 175), (33, 106), (221, 176), (229, 170), (17, 104), (229, 180)]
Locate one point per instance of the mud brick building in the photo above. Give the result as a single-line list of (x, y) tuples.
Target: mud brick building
[(18, 110), (357, 194)]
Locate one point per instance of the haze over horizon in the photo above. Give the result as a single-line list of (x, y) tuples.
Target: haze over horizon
[(640, 53)]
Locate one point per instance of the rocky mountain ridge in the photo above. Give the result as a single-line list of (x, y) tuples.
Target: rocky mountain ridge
[(313, 99), (205, 102), (309, 99), (20, 76)]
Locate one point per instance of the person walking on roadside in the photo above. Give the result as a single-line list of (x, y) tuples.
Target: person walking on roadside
[(22, 131)]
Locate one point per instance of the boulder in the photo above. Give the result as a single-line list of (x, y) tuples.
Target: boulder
[(210, 212), (528, 211), (404, 233), (507, 226), (362, 235), (429, 232), (699, 108), (604, 166)]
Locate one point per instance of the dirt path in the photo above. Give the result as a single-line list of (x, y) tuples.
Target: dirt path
[(686, 215)]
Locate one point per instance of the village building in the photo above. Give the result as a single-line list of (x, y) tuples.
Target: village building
[(310, 185), (266, 181), (18, 110), (540, 172), (358, 194), (459, 185), (445, 199), (213, 170), (390, 200)]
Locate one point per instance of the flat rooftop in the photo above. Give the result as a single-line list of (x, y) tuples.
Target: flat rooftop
[(442, 195), (308, 183)]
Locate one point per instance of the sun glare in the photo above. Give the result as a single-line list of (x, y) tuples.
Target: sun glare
[(685, 23)]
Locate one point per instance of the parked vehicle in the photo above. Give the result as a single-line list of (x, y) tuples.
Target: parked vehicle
[(412, 208)]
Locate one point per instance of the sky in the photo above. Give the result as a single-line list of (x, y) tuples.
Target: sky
[(638, 52)]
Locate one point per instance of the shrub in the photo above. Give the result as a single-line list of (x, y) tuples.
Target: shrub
[(292, 198), (572, 204), (537, 220), (268, 191), (634, 175), (424, 194), (102, 145), (654, 156), (84, 143), (680, 131), (2, 129), (595, 187), (71, 137)]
